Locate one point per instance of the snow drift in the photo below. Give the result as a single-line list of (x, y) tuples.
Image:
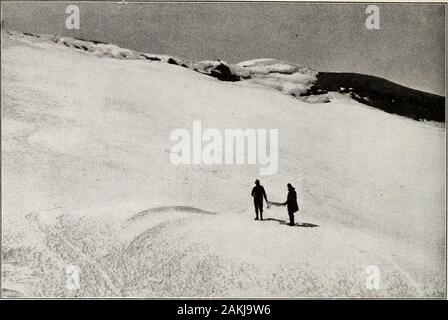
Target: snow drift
[(87, 184), (291, 79)]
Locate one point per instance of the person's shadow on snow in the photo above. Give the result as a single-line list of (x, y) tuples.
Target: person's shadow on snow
[(298, 224)]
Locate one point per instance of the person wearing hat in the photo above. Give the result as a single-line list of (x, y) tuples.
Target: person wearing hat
[(291, 203), (258, 194)]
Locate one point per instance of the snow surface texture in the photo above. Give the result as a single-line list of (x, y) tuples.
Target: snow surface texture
[(87, 181), (286, 77)]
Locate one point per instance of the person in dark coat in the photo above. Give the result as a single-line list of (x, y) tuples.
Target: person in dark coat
[(258, 194), (291, 204)]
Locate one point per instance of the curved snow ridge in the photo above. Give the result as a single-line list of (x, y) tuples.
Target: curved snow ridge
[(186, 209)]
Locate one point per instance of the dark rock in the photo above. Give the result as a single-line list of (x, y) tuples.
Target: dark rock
[(383, 94), (223, 73), (150, 58), (172, 61)]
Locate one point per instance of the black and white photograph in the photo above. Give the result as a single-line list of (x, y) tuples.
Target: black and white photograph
[(223, 150)]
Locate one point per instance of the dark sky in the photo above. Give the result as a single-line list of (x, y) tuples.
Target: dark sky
[(408, 48)]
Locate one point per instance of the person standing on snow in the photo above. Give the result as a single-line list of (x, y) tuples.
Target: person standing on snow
[(291, 204), (258, 194)]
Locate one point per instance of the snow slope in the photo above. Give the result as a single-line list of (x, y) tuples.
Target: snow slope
[(87, 181)]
